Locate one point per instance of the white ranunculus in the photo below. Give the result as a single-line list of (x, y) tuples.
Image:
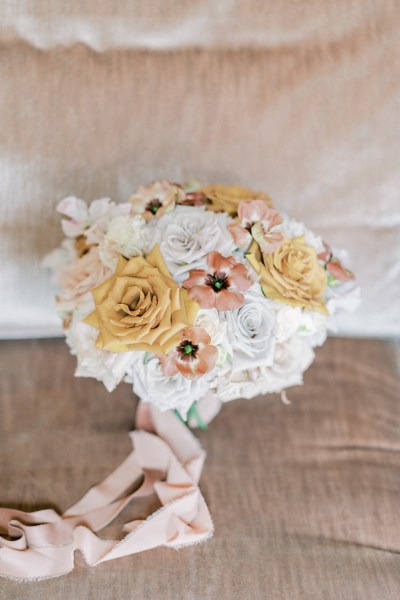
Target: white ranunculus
[(177, 392), (307, 323), (251, 331), (313, 326), (293, 229), (210, 320), (187, 235), (108, 367), (124, 236), (288, 320)]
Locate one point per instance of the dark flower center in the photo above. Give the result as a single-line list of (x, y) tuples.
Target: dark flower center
[(218, 281), (154, 205), (81, 245), (187, 350)]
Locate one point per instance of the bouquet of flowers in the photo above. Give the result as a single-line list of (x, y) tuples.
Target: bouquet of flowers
[(196, 295)]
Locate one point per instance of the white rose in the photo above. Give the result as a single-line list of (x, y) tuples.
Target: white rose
[(187, 235), (251, 332), (235, 386), (125, 236), (177, 392), (291, 359), (108, 367)]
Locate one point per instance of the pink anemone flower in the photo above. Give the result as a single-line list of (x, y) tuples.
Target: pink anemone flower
[(220, 286), (255, 221), (156, 199), (193, 357)]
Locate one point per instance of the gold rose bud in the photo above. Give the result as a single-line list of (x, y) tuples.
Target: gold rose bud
[(226, 198), (141, 307), (291, 274)]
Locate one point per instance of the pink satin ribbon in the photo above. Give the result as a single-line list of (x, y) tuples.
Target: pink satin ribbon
[(41, 544)]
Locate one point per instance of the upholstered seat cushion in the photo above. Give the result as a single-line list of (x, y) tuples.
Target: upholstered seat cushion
[(305, 497)]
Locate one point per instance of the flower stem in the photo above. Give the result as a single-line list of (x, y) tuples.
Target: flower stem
[(193, 412), (178, 414)]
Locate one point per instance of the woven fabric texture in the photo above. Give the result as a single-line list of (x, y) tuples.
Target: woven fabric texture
[(320, 518), (298, 99)]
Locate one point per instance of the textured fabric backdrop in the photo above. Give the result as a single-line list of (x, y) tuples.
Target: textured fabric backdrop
[(299, 99)]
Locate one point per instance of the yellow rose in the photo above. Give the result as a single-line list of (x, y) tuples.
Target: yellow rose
[(291, 274), (141, 307), (226, 198)]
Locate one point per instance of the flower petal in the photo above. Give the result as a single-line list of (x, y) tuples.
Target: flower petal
[(270, 242), (338, 272), (227, 300), (74, 208), (204, 295), (203, 363), (196, 277), (241, 236), (239, 278), (197, 335), (207, 359), (187, 368), (250, 211), (218, 263), (169, 363), (270, 218)]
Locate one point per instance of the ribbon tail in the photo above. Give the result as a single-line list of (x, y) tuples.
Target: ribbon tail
[(165, 465)]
